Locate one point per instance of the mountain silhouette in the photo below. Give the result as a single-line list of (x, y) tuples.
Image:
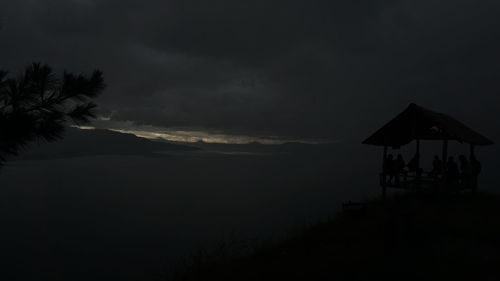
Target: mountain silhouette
[(78, 143)]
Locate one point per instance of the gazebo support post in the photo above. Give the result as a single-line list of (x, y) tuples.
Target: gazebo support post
[(445, 152), (473, 182), (445, 157), (384, 176), (418, 174)]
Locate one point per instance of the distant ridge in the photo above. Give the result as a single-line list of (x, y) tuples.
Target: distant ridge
[(78, 143), (292, 147)]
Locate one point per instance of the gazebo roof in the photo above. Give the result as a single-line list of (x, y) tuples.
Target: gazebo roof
[(417, 122)]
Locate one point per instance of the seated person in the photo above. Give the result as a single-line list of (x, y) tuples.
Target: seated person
[(437, 167), (399, 166), (466, 172), (475, 165), (413, 165), (389, 168), (475, 169), (452, 173)]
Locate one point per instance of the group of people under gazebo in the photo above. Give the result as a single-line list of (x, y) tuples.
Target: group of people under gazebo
[(397, 173), (417, 124)]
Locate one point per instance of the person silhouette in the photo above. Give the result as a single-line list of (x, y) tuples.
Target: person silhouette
[(452, 172), (389, 167), (413, 165), (437, 167), (475, 165), (465, 171), (399, 167), (475, 170)]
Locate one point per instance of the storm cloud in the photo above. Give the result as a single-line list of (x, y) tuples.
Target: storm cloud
[(297, 69)]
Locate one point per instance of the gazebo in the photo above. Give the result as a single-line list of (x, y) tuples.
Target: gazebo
[(418, 123)]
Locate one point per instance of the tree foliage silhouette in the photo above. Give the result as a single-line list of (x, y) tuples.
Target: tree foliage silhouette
[(37, 105)]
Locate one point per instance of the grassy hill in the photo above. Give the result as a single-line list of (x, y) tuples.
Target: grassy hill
[(409, 237)]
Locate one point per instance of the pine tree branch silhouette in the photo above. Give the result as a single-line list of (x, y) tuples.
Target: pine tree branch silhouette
[(38, 105)]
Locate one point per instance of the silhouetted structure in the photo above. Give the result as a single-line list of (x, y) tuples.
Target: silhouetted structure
[(417, 123)]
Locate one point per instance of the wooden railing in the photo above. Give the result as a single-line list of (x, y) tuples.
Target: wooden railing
[(423, 180)]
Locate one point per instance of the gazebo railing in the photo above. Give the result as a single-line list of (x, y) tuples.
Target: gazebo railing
[(427, 181)]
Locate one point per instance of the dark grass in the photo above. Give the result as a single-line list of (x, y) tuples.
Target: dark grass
[(409, 237)]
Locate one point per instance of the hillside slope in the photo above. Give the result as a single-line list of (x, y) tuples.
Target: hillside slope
[(407, 238)]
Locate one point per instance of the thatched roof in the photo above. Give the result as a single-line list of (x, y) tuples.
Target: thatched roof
[(417, 122)]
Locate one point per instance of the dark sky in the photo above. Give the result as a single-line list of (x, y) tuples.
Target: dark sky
[(310, 69)]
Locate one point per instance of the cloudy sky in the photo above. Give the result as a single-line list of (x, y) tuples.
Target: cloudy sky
[(312, 70)]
